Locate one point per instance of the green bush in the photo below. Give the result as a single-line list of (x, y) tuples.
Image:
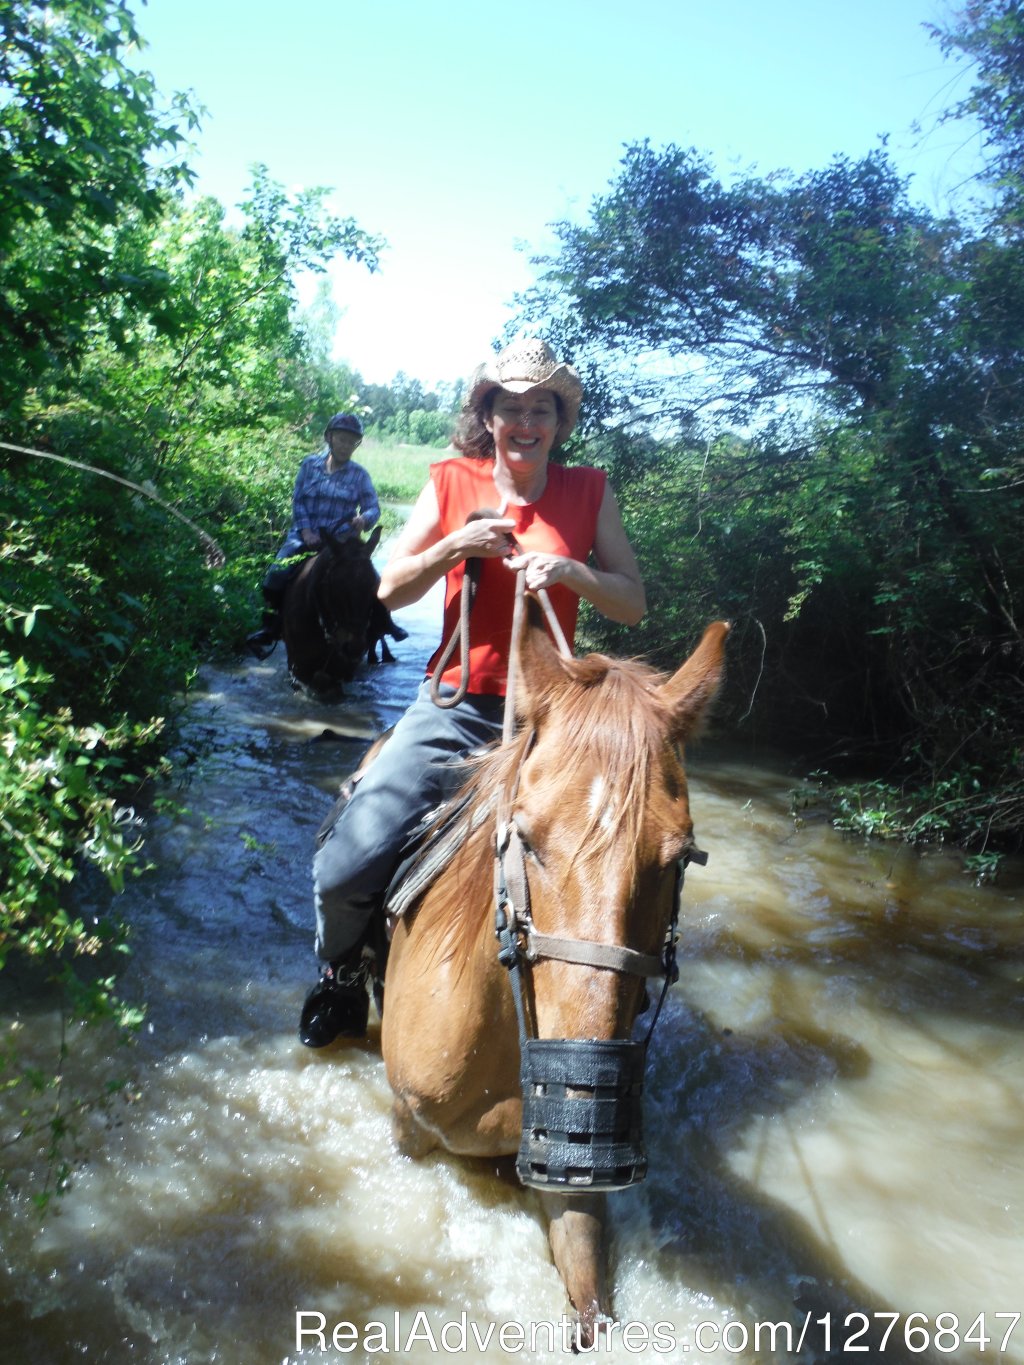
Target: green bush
[(62, 809)]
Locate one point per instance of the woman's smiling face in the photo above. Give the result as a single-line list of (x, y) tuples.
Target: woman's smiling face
[(523, 426)]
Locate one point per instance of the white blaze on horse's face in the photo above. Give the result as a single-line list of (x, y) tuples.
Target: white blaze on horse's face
[(600, 807)]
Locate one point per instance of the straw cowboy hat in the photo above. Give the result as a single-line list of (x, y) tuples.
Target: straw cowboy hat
[(522, 366)]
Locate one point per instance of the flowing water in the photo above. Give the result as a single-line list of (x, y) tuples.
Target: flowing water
[(835, 1104)]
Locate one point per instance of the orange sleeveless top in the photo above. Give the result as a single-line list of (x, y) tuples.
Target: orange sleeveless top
[(563, 521)]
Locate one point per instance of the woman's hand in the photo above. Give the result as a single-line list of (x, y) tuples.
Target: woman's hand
[(614, 586), (310, 538), (422, 555), (486, 538), (542, 570)]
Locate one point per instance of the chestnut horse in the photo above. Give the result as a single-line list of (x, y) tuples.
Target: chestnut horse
[(586, 807)]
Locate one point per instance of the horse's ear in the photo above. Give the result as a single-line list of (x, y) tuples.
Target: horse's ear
[(374, 539), (539, 673), (691, 690)]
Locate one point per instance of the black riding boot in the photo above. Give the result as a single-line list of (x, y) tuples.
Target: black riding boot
[(382, 624), (261, 642), (338, 1006)]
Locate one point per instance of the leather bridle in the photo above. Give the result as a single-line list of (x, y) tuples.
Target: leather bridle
[(582, 1098)]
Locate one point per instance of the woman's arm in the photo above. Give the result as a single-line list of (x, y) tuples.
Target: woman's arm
[(422, 555), (369, 506), (614, 587)]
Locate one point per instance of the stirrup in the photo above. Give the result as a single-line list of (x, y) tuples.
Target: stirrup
[(338, 1006), (261, 643)]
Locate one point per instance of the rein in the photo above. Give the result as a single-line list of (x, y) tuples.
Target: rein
[(459, 638), (324, 605)]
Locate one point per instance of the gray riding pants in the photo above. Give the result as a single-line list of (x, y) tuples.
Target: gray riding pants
[(414, 772)]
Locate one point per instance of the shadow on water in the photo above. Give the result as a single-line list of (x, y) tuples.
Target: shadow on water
[(841, 1051)]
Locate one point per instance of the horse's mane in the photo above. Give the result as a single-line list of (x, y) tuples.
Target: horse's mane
[(604, 711)]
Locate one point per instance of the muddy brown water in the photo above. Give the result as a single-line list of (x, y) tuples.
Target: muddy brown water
[(834, 1108)]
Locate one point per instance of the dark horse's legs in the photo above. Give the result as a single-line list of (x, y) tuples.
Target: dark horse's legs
[(381, 625)]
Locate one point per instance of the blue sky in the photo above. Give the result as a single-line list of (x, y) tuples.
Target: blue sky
[(460, 131)]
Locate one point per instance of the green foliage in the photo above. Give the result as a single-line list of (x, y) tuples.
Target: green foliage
[(417, 427), (59, 789), (223, 356), (146, 337), (747, 292), (62, 791), (991, 34), (955, 810), (402, 412), (80, 144), (863, 531)]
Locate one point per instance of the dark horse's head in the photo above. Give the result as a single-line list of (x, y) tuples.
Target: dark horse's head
[(327, 611)]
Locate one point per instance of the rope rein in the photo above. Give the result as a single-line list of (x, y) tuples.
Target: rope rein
[(519, 941), (460, 639)]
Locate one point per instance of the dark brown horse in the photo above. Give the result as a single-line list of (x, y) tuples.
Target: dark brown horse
[(331, 617), (573, 836)]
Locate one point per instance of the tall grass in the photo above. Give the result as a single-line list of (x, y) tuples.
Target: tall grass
[(398, 471)]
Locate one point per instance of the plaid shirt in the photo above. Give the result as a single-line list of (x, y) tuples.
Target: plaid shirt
[(329, 500)]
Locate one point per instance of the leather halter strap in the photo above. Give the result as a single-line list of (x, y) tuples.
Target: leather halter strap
[(584, 952), (514, 920)]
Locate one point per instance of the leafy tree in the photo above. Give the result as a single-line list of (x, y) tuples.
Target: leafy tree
[(403, 411), (81, 139), (872, 357), (747, 294), (991, 34), (147, 338)]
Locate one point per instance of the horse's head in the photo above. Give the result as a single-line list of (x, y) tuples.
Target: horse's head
[(602, 808), (344, 588), (598, 812)]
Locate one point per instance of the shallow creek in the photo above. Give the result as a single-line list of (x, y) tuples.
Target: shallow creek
[(835, 1103)]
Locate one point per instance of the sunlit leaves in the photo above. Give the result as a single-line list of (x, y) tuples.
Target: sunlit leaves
[(81, 142), (866, 359), (991, 34)]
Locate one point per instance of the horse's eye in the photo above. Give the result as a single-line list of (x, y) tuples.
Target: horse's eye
[(525, 831), (675, 847)]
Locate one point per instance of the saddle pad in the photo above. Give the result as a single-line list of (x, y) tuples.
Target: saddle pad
[(440, 835)]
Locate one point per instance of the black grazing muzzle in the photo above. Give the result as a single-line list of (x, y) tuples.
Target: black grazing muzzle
[(582, 1098), (582, 1114)]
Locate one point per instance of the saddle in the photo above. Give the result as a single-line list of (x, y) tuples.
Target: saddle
[(431, 848), (427, 851)]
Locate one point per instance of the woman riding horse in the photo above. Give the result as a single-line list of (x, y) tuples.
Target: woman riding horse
[(332, 494), (551, 521)]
